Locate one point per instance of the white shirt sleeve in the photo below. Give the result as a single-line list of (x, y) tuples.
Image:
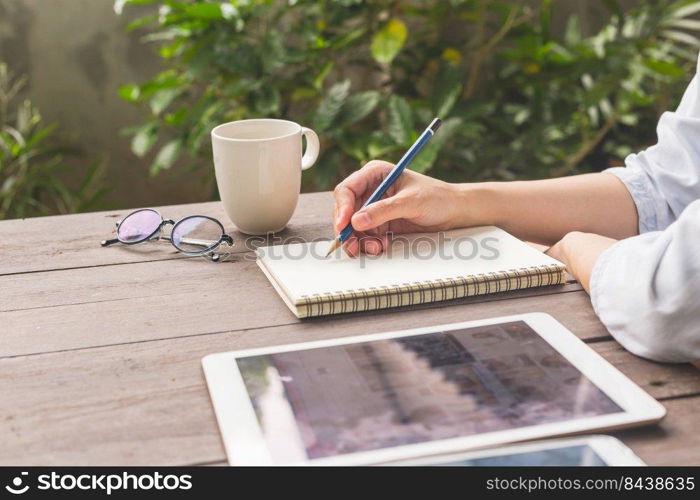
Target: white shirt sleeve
[(646, 290), (665, 178)]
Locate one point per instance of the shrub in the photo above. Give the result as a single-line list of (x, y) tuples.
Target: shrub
[(31, 167), (517, 100)]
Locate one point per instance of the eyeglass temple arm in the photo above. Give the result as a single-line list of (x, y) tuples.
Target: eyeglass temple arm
[(212, 256), (189, 241), (199, 242)]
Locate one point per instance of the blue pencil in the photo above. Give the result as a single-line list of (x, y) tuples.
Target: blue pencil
[(390, 179)]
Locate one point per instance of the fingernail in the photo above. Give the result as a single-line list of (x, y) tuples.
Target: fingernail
[(361, 220), (372, 247)]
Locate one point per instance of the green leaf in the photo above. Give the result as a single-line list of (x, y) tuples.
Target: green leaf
[(330, 106), (358, 106), (266, 101), (319, 79), (302, 93), (682, 37), (447, 90), (399, 120), (348, 38), (572, 35), (141, 22), (426, 158), (664, 67), (175, 118), (379, 144), (120, 4), (388, 41), (689, 24), (130, 93), (204, 10), (272, 51), (354, 146), (449, 99), (144, 139), (162, 99), (167, 156), (687, 10)]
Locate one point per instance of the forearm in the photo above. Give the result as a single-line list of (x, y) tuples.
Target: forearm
[(580, 252), (544, 211)]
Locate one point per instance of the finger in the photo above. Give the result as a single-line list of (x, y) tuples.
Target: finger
[(368, 177), (352, 246), (371, 245), (381, 212), (344, 206), (555, 252), (350, 194)]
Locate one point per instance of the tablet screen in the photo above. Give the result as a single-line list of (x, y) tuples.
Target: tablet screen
[(566, 456), (329, 401)]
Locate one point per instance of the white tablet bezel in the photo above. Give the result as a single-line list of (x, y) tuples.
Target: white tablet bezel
[(610, 449), (245, 444)]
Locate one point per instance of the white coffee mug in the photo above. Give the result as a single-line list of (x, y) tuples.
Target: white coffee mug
[(258, 166)]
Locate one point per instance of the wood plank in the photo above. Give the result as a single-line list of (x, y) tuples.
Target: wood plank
[(675, 441), (147, 403), (136, 281), (234, 299), (662, 380), (69, 241)]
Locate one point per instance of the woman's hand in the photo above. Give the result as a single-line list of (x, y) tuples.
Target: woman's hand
[(414, 203), (579, 252), (545, 211)]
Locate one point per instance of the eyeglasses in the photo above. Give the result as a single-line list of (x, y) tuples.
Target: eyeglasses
[(193, 235)]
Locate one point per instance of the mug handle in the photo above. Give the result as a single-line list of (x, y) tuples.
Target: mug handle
[(312, 148)]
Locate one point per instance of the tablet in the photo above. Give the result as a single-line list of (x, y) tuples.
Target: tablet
[(384, 397), (594, 451)]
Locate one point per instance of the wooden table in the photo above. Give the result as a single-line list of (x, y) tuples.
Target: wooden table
[(100, 348)]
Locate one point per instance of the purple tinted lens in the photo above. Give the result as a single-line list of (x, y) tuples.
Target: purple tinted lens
[(196, 234), (138, 226)]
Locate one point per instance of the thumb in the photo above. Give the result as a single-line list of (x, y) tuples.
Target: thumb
[(378, 213)]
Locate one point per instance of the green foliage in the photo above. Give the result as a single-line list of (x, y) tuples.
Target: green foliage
[(31, 168), (387, 42), (519, 100)]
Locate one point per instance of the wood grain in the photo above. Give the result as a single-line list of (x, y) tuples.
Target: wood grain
[(675, 441), (100, 348), (662, 381), (69, 241), (243, 299), (187, 277), (147, 403)]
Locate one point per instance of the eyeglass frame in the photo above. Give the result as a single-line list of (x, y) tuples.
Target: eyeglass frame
[(155, 235)]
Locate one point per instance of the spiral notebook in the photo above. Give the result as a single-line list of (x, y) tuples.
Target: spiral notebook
[(419, 268)]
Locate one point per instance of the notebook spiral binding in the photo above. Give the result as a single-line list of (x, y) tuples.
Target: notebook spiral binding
[(407, 294)]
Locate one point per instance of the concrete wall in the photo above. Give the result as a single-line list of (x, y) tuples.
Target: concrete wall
[(76, 53)]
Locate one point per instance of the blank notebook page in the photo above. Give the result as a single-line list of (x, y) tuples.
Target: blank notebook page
[(300, 269)]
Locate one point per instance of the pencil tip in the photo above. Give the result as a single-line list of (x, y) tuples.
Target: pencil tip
[(334, 245)]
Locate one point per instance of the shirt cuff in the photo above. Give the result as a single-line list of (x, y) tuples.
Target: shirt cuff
[(599, 271), (603, 294), (637, 184)]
